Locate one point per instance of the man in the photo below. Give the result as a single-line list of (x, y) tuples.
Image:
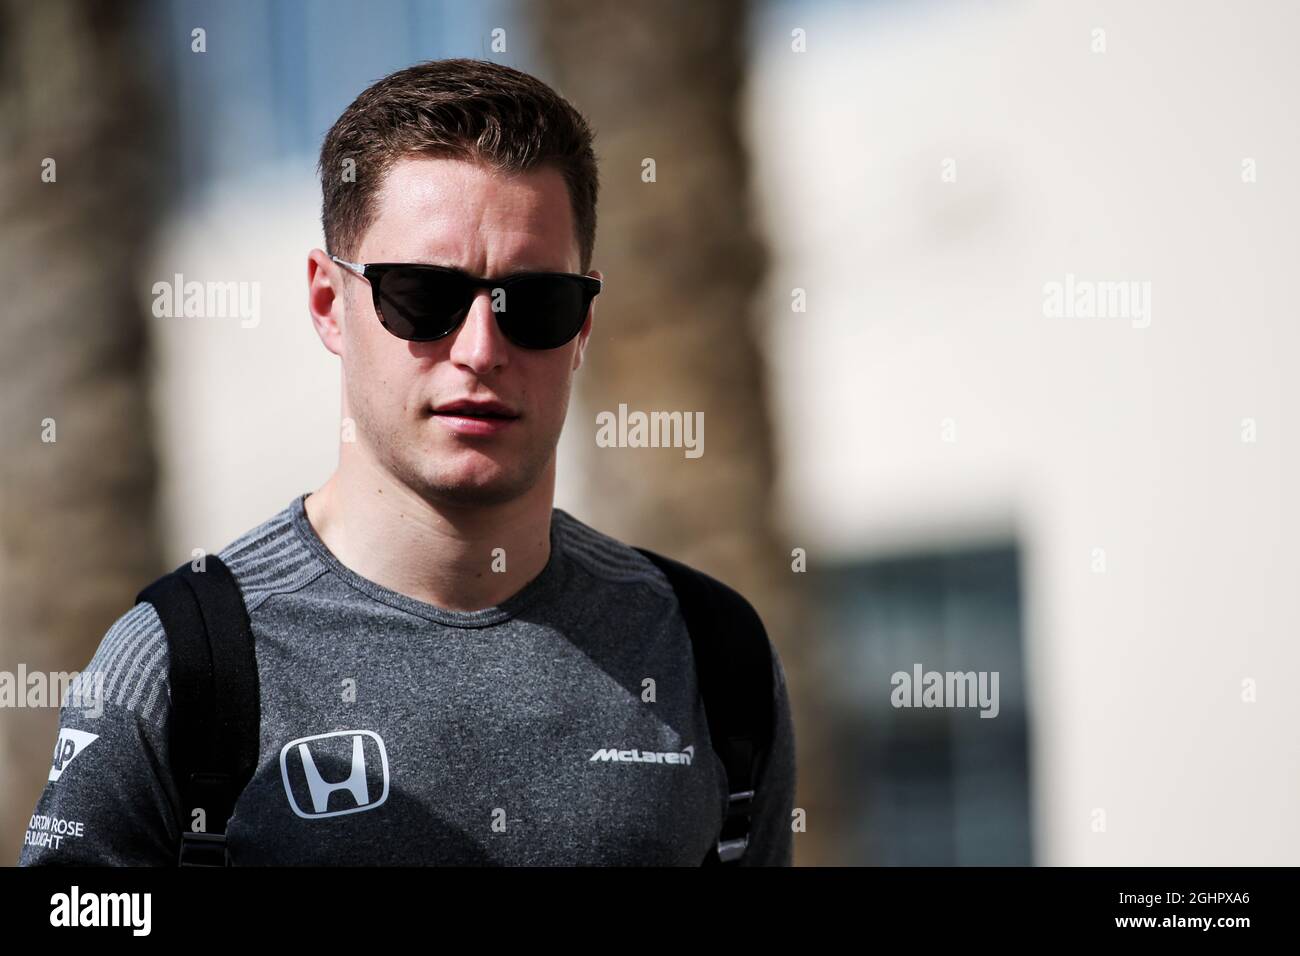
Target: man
[(451, 670)]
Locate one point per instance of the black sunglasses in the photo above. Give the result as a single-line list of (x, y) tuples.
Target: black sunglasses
[(422, 303)]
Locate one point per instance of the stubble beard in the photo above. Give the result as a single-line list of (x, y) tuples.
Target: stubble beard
[(449, 486)]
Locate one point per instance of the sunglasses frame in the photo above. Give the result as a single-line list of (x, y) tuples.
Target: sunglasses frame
[(373, 272)]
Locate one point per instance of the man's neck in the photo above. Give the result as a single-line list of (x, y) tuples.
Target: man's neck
[(444, 556)]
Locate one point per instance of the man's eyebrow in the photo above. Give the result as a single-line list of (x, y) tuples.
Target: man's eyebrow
[(419, 261), (531, 267)]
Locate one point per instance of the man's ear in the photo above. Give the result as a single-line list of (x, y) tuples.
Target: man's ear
[(327, 300), (586, 326)]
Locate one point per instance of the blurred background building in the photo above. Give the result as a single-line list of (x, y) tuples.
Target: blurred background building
[(842, 260)]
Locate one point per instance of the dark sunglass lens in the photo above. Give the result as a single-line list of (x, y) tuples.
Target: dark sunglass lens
[(542, 312), (423, 304)]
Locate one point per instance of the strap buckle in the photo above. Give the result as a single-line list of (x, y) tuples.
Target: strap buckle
[(734, 839), (204, 849)]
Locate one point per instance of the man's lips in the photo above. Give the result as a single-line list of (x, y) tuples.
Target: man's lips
[(467, 408), (476, 418)]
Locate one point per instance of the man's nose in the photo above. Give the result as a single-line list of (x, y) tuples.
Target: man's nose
[(478, 344)]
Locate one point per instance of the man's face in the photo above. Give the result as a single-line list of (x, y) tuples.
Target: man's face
[(454, 213)]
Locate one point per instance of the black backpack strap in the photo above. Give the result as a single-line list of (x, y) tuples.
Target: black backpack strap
[(215, 703), (733, 666)]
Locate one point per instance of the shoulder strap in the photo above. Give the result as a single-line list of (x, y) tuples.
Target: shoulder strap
[(733, 667), (215, 705)]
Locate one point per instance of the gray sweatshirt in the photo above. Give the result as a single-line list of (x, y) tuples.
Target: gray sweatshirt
[(560, 727)]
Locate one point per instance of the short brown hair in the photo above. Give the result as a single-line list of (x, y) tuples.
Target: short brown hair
[(465, 109)]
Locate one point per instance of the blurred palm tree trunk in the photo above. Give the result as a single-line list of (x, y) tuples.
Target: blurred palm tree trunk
[(675, 327), (77, 530)]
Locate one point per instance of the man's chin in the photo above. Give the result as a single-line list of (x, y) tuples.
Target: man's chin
[(476, 488)]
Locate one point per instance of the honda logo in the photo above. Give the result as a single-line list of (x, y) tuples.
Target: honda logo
[(316, 767)]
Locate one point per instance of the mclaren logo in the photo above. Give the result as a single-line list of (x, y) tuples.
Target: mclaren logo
[(613, 755)]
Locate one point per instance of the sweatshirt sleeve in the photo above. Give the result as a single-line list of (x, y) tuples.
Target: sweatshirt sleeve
[(109, 799), (771, 840)]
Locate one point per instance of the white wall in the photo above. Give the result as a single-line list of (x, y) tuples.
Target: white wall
[(925, 303), (248, 416)]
